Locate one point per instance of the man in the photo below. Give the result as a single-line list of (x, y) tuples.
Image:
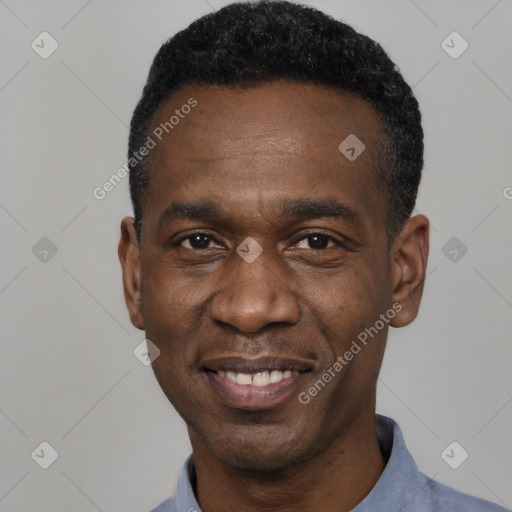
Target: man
[(275, 158)]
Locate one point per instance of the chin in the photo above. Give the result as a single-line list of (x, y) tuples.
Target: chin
[(262, 453), (263, 463)]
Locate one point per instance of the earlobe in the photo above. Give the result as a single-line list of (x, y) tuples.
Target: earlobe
[(129, 256), (409, 256)]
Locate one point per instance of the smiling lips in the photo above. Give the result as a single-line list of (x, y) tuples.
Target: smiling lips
[(255, 383), (257, 379)]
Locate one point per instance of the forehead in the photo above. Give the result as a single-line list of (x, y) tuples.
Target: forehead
[(304, 118), (263, 141)]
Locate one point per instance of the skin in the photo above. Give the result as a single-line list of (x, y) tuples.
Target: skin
[(308, 298)]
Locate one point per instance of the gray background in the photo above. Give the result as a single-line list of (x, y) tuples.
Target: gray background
[(68, 372)]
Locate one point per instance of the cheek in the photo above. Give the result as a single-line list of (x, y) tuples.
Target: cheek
[(168, 317), (168, 300), (170, 309), (349, 300)]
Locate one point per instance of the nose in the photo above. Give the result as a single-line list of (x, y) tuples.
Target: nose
[(254, 295)]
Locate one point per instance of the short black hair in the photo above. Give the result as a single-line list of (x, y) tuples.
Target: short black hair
[(252, 43)]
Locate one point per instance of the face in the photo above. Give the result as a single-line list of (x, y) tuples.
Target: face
[(263, 256)]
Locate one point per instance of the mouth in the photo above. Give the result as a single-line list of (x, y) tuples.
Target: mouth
[(255, 384)]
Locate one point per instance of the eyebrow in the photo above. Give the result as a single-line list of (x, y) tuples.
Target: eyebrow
[(304, 209)]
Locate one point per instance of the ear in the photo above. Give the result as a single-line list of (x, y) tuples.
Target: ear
[(409, 255), (129, 256)]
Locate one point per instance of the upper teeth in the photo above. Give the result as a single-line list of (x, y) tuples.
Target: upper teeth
[(257, 379)]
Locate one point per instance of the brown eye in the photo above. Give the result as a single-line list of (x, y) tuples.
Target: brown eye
[(195, 241), (316, 241)]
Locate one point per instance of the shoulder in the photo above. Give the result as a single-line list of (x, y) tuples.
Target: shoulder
[(401, 483), (441, 498), (169, 505)]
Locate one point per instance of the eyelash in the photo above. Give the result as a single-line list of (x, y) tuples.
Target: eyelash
[(330, 238)]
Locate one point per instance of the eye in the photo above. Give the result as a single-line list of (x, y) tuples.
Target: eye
[(196, 241), (317, 242), (312, 241)]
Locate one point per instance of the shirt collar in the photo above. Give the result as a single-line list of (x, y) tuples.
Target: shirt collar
[(399, 483), (185, 498)]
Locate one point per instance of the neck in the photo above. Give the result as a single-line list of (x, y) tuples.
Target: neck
[(337, 479)]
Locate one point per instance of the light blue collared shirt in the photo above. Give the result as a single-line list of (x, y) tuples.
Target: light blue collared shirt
[(400, 488)]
